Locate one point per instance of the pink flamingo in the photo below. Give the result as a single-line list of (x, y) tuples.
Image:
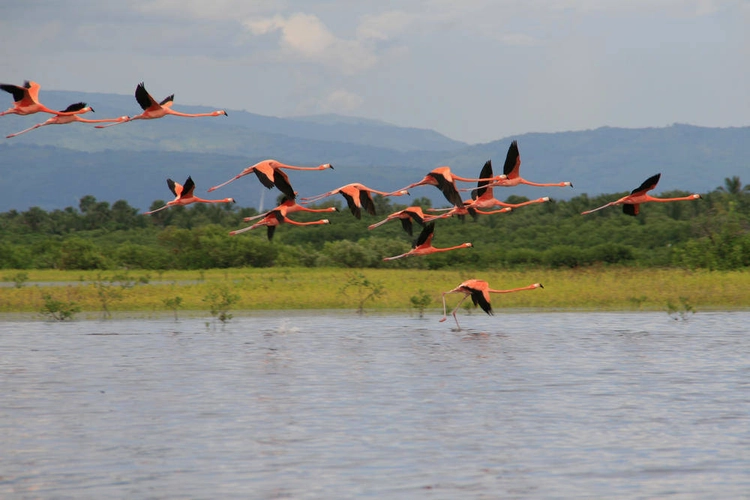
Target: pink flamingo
[(357, 196), (631, 203), (276, 217), (270, 174), (512, 168), (406, 216), (291, 206), (184, 195), (483, 195), (62, 119), (423, 245), (445, 180), (26, 100), (153, 109), (479, 291)]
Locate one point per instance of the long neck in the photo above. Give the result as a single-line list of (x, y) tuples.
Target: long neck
[(666, 200), (294, 167), (530, 287), (195, 199), (312, 223), (544, 184), (187, 115), (103, 120), (448, 249)]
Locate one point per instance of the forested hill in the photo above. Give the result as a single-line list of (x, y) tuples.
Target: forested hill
[(54, 166)]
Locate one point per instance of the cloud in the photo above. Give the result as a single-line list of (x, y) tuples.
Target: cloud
[(306, 37)]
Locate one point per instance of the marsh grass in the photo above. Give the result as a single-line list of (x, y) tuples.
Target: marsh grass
[(610, 288)]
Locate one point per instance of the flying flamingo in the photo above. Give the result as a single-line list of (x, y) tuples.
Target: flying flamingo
[(291, 206), (276, 217), (445, 180), (483, 195), (269, 173), (184, 195), (465, 210), (62, 119), (479, 291), (512, 168), (631, 203), (153, 109), (406, 216), (358, 196), (26, 100), (423, 245)]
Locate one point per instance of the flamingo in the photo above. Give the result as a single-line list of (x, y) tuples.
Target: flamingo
[(62, 119), (406, 216), (153, 109), (479, 291), (26, 100), (464, 210), (358, 196), (269, 173), (423, 245), (483, 196), (631, 203), (276, 217), (445, 180), (512, 168), (291, 206), (184, 195)]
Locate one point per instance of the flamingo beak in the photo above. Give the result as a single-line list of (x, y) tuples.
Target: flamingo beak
[(92, 109), (541, 286)]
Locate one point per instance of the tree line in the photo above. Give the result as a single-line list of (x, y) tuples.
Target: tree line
[(711, 233)]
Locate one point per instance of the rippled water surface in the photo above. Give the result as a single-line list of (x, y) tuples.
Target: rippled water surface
[(292, 405)]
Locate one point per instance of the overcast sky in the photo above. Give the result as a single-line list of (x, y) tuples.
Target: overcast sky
[(474, 70)]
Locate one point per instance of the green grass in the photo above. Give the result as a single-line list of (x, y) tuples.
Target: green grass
[(612, 288)]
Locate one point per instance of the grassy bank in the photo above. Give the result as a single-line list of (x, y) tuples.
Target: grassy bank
[(324, 288)]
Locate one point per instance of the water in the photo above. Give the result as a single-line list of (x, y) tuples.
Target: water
[(293, 405)]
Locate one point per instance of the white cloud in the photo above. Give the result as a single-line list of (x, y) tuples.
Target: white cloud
[(305, 36), (341, 101)]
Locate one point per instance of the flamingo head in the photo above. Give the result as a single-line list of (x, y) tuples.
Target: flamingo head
[(325, 166), (325, 221), (546, 198), (400, 192), (219, 113), (568, 184), (230, 200), (696, 196), (467, 245), (537, 285)]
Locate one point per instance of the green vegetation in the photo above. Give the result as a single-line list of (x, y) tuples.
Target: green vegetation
[(711, 233), (586, 288)]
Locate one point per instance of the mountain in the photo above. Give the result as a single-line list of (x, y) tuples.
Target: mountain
[(54, 166)]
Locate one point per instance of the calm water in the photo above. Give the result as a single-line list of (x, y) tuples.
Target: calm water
[(519, 405)]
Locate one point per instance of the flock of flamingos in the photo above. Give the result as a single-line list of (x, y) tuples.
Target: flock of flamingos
[(358, 197)]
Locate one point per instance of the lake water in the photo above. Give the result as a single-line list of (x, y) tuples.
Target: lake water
[(333, 405)]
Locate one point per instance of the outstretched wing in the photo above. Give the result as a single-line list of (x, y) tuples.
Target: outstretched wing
[(143, 97), (17, 92), (365, 199), (281, 181), (174, 187), (74, 107), (448, 189), (480, 298), (269, 232), (486, 173), (352, 205), (167, 100), (406, 224), (187, 190), (425, 237), (631, 208), (647, 185), (512, 165)]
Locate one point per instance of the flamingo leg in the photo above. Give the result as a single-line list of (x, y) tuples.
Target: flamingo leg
[(599, 208), (157, 210), (27, 130)]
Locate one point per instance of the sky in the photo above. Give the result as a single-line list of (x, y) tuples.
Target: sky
[(473, 70)]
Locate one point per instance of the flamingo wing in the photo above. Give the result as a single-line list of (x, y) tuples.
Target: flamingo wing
[(481, 298), (281, 181), (647, 185), (406, 224), (17, 92), (365, 199), (448, 189), (352, 205), (74, 107), (425, 237), (167, 101), (631, 208), (174, 187), (486, 173), (269, 232), (143, 97), (33, 90), (187, 190), (416, 214), (512, 165), (263, 177)]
